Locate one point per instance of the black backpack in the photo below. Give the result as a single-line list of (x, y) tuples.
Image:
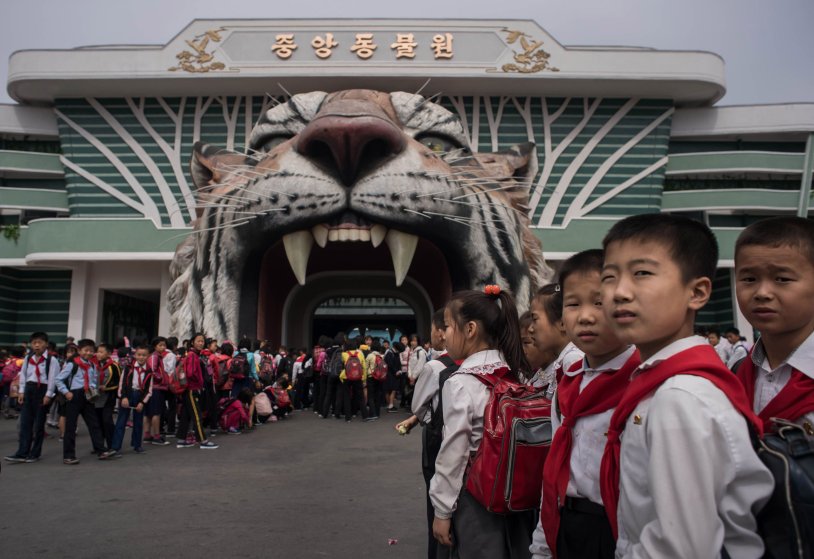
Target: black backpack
[(434, 430), (786, 523), (284, 366), (335, 364)]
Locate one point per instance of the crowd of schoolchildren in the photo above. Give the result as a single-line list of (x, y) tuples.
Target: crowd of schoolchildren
[(203, 387), (658, 441), (599, 424)]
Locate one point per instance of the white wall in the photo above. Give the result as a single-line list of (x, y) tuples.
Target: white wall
[(91, 278)]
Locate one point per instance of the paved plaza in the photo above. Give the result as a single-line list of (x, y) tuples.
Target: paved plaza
[(301, 488)]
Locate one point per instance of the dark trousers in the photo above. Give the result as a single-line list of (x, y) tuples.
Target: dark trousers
[(133, 398), (170, 412), (406, 390), (480, 534), (303, 386), (77, 406), (428, 470), (105, 417), (209, 403), (330, 397), (353, 393), (375, 396), (190, 412), (320, 384), (584, 531), (32, 421)]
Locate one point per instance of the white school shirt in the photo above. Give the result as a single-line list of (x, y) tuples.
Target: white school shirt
[(415, 364), (723, 349), (675, 503), (569, 355), (465, 399), (170, 361), (425, 395), (588, 446), (769, 382), (738, 353)]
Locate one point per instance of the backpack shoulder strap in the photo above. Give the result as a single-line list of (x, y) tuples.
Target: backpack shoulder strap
[(446, 360)]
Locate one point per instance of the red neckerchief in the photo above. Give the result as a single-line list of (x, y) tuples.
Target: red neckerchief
[(601, 395), (37, 364), (85, 369), (141, 371), (792, 402), (701, 361)]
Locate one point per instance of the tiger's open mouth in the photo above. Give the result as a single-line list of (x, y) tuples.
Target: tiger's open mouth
[(350, 228), (358, 184)]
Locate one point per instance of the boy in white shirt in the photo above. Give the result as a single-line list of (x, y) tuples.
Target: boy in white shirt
[(573, 522), (679, 459)]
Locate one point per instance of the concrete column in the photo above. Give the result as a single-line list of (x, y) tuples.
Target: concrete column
[(163, 311), (805, 182), (741, 323), (76, 307)]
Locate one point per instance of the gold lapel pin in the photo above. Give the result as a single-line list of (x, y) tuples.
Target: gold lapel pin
[(637, 419)]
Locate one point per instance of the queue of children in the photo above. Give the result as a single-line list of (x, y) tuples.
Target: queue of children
[(653, 446), (157, 390)]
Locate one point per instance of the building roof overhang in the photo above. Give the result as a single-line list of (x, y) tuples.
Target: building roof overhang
[(783, 122), (494, 57)]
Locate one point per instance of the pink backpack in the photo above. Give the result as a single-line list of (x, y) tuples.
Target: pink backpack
[(10, 372), (262, 404)]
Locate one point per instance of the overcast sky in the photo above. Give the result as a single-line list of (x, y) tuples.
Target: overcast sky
[(768, 45)]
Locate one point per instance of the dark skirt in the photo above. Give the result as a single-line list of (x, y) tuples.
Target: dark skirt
[(480, 534)]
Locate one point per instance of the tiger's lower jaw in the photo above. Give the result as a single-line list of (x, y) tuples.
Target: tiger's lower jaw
[(298, 246)]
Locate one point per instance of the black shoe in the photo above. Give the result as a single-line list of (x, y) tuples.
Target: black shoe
[(15, 459), (32, 459)]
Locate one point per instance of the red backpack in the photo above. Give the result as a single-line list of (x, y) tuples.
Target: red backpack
[(353, 367), (506, 474), (178, 381), (379, 369), (283, 399), (319, 364)]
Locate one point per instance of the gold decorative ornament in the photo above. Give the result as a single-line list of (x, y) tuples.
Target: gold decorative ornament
[(198, 60), (530, 57)]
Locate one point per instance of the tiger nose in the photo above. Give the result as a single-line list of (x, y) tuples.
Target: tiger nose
[(350, 145)]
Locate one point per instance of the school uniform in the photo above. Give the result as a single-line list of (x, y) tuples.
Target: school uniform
[(675, 503), (425, 401), (477, 533), (79, 377), (375, 388), (171, 404), (37, 380), (137, 386), (787, 391), (353, 390), (573, 521), (738, 353), (190, 399), (158, 385), (105, 403), (548, 377)]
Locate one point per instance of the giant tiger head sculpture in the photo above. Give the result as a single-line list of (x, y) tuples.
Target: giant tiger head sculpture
[(355, 171)]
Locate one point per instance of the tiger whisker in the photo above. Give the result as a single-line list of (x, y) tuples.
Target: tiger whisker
[(420, 89), (415, 212), (235, 223)]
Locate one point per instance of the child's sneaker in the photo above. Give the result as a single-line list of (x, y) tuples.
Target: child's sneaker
[(184, 444), (233, 431), (273, 418), (208, 445), (15, 459), (159, 441), (148, 439), (109, 454), (139, 450), (71, 461)]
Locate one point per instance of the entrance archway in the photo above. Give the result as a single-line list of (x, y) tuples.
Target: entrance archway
[(303, 301)]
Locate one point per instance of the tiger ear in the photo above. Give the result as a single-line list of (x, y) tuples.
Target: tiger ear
[(518, 162), (212, 165)]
